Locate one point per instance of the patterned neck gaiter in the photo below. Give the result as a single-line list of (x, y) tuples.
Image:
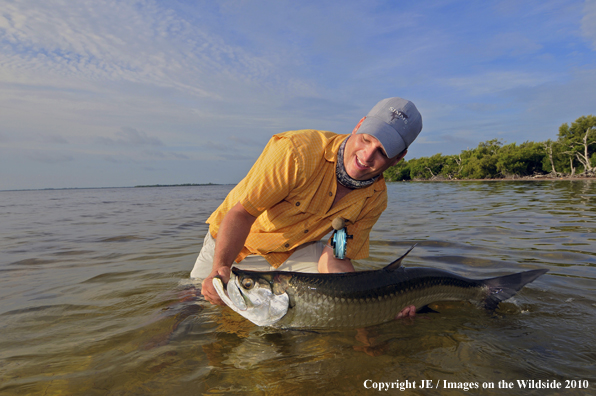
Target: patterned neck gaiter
[(342, 176)]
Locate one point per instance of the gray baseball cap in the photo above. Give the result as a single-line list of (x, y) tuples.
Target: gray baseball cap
[(395, 122)]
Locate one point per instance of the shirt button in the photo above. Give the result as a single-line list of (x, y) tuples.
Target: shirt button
[(297, 203), (287, 245), (306, 231), (330, 194)]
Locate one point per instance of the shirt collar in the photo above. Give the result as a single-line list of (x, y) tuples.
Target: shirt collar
[(333, 147)]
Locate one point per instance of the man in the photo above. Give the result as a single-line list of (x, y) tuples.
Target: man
[(302, 181)]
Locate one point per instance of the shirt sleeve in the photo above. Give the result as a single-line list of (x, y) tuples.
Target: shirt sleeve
[(272, 177), (358, 247)]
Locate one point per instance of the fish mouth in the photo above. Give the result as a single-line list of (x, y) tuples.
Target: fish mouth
[(261, 306), (232, 297), (236, 295)]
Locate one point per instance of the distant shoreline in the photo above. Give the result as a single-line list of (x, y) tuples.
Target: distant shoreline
[(107, 188), (435, 179), (179, 185), (516, 178)]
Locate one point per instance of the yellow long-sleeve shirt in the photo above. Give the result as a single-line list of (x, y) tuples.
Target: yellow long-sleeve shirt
[(290, 190)]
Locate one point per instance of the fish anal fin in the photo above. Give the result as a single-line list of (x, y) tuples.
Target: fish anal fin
[(397, 263)]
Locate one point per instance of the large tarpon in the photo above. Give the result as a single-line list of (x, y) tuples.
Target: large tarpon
[(356, 299)]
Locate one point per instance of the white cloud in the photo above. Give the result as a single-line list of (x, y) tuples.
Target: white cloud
[(48, 157), (588, 22), (497, 81), (130, 137), (54, 139), (197, 85), (54, 42), (512, 44)]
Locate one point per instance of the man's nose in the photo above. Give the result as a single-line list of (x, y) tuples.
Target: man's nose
[(368, 153)]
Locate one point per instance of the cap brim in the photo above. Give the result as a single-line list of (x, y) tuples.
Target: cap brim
[(390, 139)]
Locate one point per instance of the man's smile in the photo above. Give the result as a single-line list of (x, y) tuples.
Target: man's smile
[(360, 164)]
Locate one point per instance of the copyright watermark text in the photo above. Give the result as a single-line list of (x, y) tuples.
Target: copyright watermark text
[(471, 386)]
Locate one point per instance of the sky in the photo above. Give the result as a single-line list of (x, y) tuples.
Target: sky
[(121, 93)]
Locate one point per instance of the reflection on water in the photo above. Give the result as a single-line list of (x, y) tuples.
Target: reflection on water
[(94, 298)]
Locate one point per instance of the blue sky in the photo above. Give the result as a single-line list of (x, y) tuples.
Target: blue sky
[(122, 93)]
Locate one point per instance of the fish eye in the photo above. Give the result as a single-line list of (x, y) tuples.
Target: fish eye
[(248, 283)]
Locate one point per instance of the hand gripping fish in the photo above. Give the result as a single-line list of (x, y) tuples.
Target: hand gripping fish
[(356, 299)]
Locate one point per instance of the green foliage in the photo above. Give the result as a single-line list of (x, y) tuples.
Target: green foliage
[(451, 167), (401, 171), (578, 129), (559, 161), (578, 142), (523, 160), (492, 159), (426, 168)]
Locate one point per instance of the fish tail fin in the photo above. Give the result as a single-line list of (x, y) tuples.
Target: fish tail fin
[(503, 287)]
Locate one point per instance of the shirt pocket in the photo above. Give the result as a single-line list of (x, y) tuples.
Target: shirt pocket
[(282, 215)]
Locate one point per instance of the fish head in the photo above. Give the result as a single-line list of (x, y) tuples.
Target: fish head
[(257, 296)]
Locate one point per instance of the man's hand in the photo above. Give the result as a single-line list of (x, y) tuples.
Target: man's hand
[(407, 312), (207, 289)]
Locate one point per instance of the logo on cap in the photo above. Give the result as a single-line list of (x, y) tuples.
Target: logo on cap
[(398, 114)]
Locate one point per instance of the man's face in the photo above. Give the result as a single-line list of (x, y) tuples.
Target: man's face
[(364, 157)]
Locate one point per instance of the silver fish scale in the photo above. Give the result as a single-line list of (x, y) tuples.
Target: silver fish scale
[(316, 309), (366, 298)]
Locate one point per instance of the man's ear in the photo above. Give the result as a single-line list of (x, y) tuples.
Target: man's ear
[(358, 126), (399, 157)]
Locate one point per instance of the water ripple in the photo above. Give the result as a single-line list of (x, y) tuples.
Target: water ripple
[(93, 303)]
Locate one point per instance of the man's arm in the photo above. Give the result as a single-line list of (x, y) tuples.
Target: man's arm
[(230, 240), (329, 263)]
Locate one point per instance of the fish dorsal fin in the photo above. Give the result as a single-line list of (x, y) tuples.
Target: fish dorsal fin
[(397, 263)]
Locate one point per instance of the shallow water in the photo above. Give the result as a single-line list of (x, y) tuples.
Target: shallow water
[(92, 297)]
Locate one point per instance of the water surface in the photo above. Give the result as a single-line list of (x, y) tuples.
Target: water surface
[(94, 298)]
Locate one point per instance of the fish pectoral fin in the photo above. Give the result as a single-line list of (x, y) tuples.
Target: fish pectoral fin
[(426, 309), (397, 263)]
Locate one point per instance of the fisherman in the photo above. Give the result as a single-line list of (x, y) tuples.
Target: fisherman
[(275, 217)]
